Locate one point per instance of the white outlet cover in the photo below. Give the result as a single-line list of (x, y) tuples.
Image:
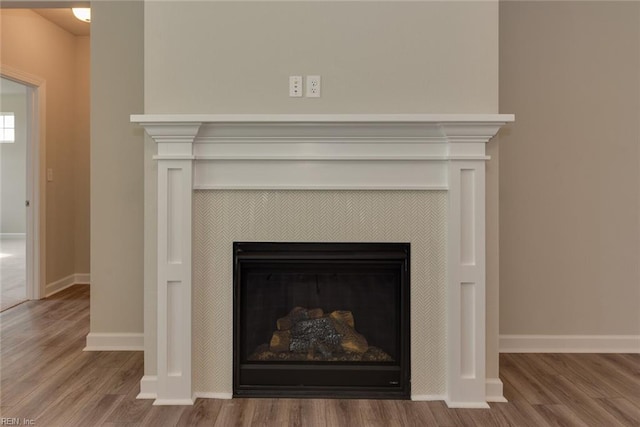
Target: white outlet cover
[(313, 87)]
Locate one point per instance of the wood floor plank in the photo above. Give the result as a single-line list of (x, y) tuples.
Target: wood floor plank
[(576, 373), (526, 383), (559, 415), (342, 412), (372, 412), (74, 400), (45, 375), (418, 413), (127, 377), (274, 412), (627, 386), (129, 411), (445, 417), (312, 411), (162, 416), (74, 373), (203, 413), (264, 411), (625, 411), (235, 412), (395, 413), (95, 415), (519, 413)]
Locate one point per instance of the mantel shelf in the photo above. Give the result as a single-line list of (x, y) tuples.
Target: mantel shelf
[(321, 118)]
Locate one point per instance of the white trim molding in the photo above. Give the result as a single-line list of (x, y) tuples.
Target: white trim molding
[(66, 282), (125, 341), (211, 395), (428, 397), (319, 152), (570, 344), (59, 285), (494, 391), (149, 390), (36, 178), (13, 236), (148, 387)]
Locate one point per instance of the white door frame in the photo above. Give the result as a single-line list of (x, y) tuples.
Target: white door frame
[(36, 179)]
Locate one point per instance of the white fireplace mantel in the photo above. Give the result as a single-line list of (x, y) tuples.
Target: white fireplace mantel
[(320, 152)]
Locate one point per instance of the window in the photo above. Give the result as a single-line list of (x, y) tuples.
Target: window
[(7, 127)]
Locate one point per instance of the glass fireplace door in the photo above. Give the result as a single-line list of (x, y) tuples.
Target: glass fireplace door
[(321, 319)]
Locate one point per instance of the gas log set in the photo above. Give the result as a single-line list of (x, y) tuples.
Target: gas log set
[(313, 335)]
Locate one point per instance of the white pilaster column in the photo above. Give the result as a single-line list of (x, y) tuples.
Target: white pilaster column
[(466, 284), (175, 189)]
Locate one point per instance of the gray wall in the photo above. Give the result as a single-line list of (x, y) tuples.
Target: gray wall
[(569, 176), (116, 167), (13, 163), (374, 57)]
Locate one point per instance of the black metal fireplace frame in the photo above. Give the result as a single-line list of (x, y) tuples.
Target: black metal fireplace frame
[(329, 379)]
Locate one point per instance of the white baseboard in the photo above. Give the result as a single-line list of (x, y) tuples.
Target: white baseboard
[(16, 236), (149, 383), (211, 395), (148, 387), (493, 390), (172, 402), (569, 343), (149, 390), (427, 397), (66, 282), (97, 341), (59, 285), (466, 405)]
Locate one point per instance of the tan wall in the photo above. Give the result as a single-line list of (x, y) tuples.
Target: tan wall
[(34, 45), (13, 165), (569, 176), (116, 167)]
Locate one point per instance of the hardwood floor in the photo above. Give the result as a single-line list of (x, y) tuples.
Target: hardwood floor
[(46, 377)]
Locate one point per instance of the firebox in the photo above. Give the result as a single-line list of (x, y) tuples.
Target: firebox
[(321, 320)]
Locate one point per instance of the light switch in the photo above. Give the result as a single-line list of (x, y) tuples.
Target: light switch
[(49, 174), (295, 86)]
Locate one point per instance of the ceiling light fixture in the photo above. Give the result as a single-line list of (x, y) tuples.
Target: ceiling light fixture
[(82, 13)]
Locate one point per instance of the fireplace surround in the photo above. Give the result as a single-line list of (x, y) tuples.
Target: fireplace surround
[(341, 153)]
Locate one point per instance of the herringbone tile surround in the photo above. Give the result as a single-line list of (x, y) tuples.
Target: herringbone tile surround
[(222, 217)]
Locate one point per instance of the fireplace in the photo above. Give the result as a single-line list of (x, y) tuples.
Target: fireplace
[(321, 319), (341, 177)]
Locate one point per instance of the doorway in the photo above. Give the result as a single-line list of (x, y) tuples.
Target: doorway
[(21, 199), (13, 192)]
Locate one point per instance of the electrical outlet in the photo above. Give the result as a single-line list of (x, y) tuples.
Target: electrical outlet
[(313, 86), (295, 86)]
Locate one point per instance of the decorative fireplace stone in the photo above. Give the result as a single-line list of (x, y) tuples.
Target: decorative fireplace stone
[(323, 152)]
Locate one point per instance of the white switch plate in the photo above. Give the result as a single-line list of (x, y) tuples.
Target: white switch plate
[(313, 86), (295, 86)]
